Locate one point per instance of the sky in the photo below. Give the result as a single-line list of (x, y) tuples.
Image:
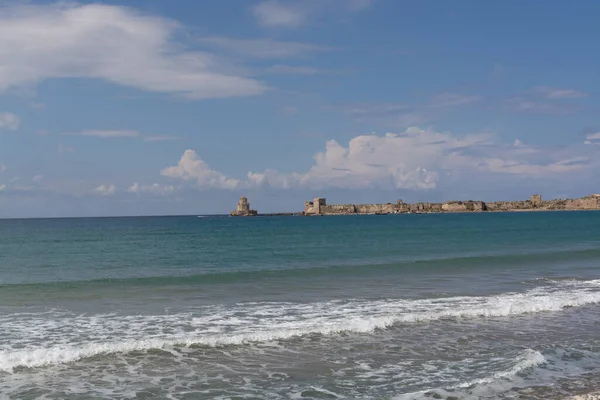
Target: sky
[(180, 107)]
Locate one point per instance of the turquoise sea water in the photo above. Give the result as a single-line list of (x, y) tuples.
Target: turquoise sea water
[(376, 307)]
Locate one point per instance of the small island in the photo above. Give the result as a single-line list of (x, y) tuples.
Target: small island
[(243, 209)]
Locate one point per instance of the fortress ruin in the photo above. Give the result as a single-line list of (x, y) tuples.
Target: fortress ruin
[(243, 209), (319, 206)]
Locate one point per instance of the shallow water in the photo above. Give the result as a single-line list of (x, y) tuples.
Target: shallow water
[(402, 307)]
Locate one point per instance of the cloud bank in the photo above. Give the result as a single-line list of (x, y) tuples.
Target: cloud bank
[(112, 43), (416, 159), (104, 190), (191, 168), (155, 189), (593, 138)]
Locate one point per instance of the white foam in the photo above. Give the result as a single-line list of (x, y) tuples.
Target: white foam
[(301, 394), (528, 359), (497, 382), (38, 340)]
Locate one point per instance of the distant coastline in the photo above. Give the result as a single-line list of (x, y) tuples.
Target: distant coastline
[(319, 207)]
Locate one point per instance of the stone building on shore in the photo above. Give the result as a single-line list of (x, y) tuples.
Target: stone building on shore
[(319, 206), (243, 209)]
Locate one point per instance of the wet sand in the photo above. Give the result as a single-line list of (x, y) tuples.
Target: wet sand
[(589, 396)]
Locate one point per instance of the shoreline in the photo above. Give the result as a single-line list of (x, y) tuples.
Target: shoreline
[(302, 214), (587, 396), (319, 206)]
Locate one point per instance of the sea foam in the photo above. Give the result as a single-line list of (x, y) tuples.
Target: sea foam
[(49, 339), (525, 360)]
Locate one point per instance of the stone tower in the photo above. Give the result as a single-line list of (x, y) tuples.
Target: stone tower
[(318, 203), (243, 208), (536, 200), (243, 205)]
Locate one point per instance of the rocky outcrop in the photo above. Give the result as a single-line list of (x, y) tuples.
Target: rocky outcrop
[(243, 209)]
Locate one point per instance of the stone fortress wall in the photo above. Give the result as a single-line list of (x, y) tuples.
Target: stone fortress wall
[(319, 206)]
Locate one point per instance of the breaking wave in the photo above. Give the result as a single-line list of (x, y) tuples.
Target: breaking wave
[(61, 337)]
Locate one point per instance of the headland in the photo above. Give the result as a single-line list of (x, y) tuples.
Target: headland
[(319, 206)]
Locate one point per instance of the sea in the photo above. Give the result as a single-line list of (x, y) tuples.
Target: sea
[(429, 306)]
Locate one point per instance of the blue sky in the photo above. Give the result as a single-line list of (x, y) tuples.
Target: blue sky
[(162, 107)]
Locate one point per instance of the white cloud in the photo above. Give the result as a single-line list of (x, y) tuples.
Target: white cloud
[(8, 120), (415, 159), (16, 188), (3, 168), (555, 93), (155, 189), (106, 134), (192, 168), (105, 190), (293, 13), (419, 159), (593, 138), (262, 48), (273, 178), (112, 43), (38, 178)]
